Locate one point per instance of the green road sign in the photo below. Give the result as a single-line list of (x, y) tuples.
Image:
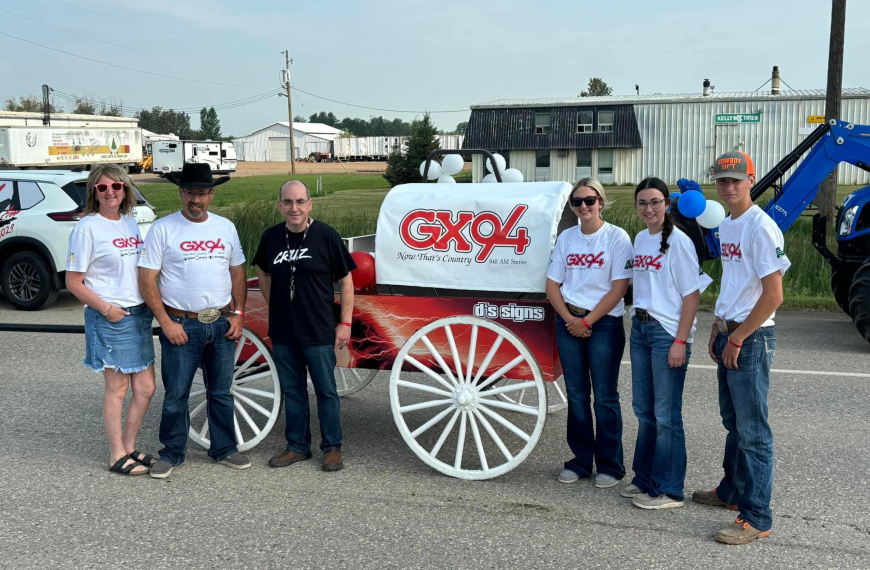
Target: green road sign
[(733, 118)]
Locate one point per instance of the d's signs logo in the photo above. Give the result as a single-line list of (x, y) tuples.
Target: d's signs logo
[(437, 229), (205, 245)]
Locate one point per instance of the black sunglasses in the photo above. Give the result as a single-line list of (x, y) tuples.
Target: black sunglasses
[(588, 200)]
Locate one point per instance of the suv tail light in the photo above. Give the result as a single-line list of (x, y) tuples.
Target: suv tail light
[(73, 216)]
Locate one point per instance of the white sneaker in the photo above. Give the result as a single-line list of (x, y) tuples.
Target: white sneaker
[(630, 491), (653, 503), (568, 476), (604, 481)]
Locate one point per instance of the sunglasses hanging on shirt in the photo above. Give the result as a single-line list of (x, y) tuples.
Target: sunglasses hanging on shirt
[(293, 257)]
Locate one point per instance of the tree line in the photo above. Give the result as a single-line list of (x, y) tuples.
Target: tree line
[(373, 127)]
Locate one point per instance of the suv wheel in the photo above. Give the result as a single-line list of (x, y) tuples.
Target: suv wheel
[(27, 282)]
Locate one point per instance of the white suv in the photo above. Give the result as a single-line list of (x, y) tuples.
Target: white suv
[(38, 210)]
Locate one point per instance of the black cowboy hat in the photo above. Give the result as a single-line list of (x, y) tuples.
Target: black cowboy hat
[(196, 177)]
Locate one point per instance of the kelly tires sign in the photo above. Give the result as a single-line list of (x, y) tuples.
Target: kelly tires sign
[(737, 118)]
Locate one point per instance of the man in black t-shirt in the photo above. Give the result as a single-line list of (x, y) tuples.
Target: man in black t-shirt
[(296, 262)]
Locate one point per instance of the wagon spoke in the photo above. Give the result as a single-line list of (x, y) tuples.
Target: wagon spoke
[(489, 356), (488, 427), (255, 392), (497, 417), (502, 371), (252, 404), (424, 405), (562, 397), (437, 356), (248, 363), (204, 431), (239, 346), (429, 372), (238, 433), (252, 377), (197, 393), (469, 366), (509, 388), (246, 417), (452, 342), (478, 443), (200, 407), (423, 388), (343, 379), (508, 406), (460, 444), (445, 433), (431, 422)]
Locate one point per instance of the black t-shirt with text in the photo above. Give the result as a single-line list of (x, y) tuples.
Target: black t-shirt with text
[(309, 319)]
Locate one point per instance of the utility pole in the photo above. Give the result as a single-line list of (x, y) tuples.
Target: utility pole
[(290, 111), (828, 201)]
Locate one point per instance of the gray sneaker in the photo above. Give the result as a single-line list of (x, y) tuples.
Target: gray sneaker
[(630, 491), (161, 469), (653, 503), (568, 476), (236, 461), (604, 481)]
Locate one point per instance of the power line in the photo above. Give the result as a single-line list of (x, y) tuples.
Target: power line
[(376, 108), (218, 107), (187, 36), (127, 68), (128, 48)]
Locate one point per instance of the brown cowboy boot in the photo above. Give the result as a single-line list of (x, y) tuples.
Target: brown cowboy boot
[(288, 457), (332, 459)]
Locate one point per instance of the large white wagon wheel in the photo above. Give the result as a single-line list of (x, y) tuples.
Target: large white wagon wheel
[(256, 394), (467, 400), (349, 380), (557, 394)]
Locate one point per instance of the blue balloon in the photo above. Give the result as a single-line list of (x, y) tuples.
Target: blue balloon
[(692, 204), (674, 196), (686, 185)]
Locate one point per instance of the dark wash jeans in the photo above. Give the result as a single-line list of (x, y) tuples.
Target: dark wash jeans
[(748, 462), (208, 348), (591, 365), (657, 398), (292, 362)]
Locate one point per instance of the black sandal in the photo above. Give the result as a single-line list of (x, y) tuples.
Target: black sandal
[(147, 461), (118, 467)]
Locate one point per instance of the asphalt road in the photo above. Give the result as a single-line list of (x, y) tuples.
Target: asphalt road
[(61, 508)]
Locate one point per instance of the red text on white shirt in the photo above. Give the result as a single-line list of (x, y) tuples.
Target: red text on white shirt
[(585, 260), (123, 243), (204, 245), (731, 251), (648, 262)]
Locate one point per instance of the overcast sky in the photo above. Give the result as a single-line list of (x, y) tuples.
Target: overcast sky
[(414, 55)]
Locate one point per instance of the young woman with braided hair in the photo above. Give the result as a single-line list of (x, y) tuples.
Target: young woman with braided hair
[(668, 282)]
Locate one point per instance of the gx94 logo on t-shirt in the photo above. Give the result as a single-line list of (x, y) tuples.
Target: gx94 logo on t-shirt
[(123, 243), (647, 262), (204, 245), (585, 260), (731, 251)]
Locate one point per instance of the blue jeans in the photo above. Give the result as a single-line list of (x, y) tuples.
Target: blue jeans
[(292, 362), (657, 398), (208, 348), (592, 365), (748, 462)]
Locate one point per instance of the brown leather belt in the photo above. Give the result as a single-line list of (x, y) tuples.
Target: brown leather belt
[(206, 316), (644, 316), (579, 310), (726, 327)]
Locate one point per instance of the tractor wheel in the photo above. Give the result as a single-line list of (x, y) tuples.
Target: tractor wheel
[(841, 281), (859, 300), (312, 157)]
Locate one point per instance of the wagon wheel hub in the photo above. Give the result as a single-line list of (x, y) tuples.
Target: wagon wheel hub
[(465, 398)]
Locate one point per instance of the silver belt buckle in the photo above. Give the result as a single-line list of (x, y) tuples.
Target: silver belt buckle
[(723, 326), (208, 316)]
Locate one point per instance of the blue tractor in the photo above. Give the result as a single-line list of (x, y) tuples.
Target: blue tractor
[(825, 148)]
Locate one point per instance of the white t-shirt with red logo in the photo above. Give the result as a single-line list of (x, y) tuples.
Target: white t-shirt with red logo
[(661, 280), (107, 252), (752, 248), (194, 260), (587, 265)]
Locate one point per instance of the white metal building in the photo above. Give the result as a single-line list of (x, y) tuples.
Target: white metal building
[(272, 143), (622, 139), (25, 119)]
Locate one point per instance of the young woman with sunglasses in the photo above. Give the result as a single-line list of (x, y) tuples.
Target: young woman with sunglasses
[(586, 282), (668, 282), (102, 273)]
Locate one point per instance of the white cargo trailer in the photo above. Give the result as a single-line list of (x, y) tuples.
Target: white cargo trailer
[(61, 147), (170, 156), (379, 148)]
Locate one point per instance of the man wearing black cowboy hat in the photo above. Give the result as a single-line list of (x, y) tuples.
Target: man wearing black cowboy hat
[(199, 260)]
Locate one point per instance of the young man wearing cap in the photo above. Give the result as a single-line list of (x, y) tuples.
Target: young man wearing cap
[(742, 343), (199, 260)]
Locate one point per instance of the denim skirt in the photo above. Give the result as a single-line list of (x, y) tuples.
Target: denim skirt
[(127, 346)]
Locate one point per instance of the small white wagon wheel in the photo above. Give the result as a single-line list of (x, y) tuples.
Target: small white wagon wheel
[(256, 392), (557, 395), (502, 433), (349, 380)]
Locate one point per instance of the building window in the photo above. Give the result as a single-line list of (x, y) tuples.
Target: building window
[(584, 122), (584, 158), (542, 123), (605, 161), (605, 121), (542, 158)]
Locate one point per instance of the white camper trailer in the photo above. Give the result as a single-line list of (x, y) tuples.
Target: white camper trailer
[(65, 147), (170, 156)]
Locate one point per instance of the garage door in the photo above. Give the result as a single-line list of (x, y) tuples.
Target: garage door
[(279, 149)]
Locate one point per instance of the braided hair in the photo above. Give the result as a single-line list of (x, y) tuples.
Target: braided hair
[(652, 183)]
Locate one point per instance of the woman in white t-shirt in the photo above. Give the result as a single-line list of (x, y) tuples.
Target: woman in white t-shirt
[(586, 282), (668, 282), (102, 272)]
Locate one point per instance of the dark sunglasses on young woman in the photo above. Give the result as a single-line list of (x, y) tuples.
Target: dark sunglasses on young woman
[(588, 200), (116, 186)]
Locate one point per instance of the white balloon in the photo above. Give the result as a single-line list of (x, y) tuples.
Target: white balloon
[(446, 179), (489, 178), (512, 175), (712, 215), (434, 169), (452, 164), (499, 160)]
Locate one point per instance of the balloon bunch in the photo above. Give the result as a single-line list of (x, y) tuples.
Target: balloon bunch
[(691, 203), (507, 175), (452, 164)]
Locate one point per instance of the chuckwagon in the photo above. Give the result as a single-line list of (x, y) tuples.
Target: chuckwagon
[(450, 301)]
